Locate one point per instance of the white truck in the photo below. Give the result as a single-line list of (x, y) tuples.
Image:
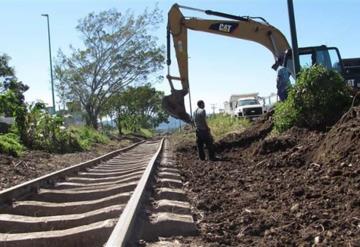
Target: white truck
[(249, 107)]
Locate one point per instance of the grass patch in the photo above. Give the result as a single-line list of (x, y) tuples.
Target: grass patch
[(183, 139), (221, 125), (146, 133), (10, 144), (86, 137)]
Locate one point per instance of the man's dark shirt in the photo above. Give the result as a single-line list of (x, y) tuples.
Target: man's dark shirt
[(200, 119)]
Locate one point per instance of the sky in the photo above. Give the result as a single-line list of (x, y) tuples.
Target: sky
[(218, 66)]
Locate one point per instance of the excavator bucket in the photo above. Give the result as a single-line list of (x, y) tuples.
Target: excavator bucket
[(174, 105)]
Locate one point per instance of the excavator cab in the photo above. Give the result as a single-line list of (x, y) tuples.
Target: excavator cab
[(329, 57)]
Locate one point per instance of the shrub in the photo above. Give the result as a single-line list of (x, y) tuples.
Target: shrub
[(46, 132), (317, 100), (40, 130), (285, 114), (87, 136), (10, 144)]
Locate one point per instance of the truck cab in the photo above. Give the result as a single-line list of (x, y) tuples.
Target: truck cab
[(248, 108)]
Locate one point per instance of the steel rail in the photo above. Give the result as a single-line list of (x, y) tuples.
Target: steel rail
[(18, 191), (123, 230)]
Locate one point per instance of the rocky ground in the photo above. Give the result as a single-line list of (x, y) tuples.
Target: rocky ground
[(297, 189), (33, 164)]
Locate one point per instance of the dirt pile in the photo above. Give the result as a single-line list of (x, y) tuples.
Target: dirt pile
[(273, 192), (295, 147), (342, 143), (274, 144), (255, 132)]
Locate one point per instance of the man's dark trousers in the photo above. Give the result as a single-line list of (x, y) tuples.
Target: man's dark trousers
[(283, 95), (204, 137)]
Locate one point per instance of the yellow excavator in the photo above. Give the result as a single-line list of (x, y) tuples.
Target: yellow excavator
[(255, 29)]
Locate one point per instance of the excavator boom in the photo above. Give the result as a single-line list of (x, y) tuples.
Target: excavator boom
[(237, 27)]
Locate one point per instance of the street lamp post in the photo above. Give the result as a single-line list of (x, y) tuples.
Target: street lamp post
[(51, 68)]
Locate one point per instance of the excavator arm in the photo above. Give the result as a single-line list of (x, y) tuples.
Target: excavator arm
[(245, 28)]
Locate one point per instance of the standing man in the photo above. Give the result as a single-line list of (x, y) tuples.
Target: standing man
[(203, 135), (282, 81)]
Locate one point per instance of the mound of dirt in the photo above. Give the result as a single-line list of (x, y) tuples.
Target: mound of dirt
[(294, 148), (274, 144), (342, 143), (255, 132), (272, 192)]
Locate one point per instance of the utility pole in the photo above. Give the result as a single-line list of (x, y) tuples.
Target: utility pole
[(51, 67), (295, 52), (213, 107)]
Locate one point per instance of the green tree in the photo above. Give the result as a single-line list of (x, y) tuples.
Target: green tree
[(5, 69), (12, 99), (137, 107), (119, 49)]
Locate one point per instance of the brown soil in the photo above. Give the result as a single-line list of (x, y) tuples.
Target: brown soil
[(257, 131), (33, 164), (297, 189), (342, 143)]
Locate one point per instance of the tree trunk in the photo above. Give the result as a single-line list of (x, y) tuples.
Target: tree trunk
[(91, 118), (118, 125), (94, 122)]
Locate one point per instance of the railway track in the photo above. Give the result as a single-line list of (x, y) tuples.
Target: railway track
[(78, 206), (100, 202)]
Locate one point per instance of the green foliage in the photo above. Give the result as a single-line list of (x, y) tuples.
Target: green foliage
[(221, 124), (317, 100), (12, 99), (10, 144), (286, 114), (137, 107), (146, 133), (119, 49), (5, 69), (46, 132), (35, 128), (8, 103), (87, 136), (11, 90)]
